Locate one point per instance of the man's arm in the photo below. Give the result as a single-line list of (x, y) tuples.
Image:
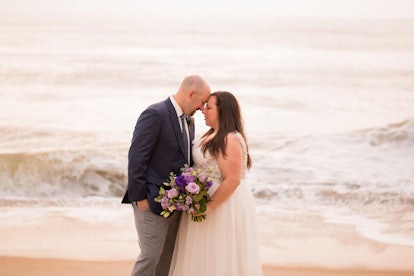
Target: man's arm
[(145, 138)]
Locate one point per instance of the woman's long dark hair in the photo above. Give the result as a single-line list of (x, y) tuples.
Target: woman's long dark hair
[(230, 120)]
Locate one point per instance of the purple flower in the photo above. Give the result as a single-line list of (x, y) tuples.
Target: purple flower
[(181, 181), (203, 178), (179, 206), (209, 184), (192, 188), (188, 200), (172, 193), (188, 178), (165, 203), (187, 170)]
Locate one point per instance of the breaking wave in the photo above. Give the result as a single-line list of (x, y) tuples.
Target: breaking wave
[(61, 173)]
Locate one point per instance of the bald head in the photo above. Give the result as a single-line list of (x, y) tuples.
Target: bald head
[(194, 82), (192, 94)]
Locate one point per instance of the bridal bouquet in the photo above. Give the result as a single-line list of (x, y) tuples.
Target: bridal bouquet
[(188, 193)]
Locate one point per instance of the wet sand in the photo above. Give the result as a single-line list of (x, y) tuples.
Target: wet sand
[(17, 266)]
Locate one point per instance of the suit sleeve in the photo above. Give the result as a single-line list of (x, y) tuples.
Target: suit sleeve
[(144, 140)]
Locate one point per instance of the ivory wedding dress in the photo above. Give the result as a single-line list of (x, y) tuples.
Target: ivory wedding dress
[(226, 242)]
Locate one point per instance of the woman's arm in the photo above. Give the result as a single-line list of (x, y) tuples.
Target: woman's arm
[(231, 169)]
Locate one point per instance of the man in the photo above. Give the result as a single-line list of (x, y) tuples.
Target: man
[(158, 148)]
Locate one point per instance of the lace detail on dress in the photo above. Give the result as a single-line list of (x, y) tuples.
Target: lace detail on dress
[(208, 163)]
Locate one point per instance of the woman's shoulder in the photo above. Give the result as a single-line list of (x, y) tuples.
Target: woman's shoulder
[(236, 138)]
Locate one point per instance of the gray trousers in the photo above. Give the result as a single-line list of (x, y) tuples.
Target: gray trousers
[(156, 238)]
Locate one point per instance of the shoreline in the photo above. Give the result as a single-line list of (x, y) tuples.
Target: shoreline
[(14, 266), (98, 237)]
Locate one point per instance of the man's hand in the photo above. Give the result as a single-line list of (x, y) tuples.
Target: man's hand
[(143, 204)]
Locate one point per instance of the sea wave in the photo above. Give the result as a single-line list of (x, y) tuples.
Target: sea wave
[(396, 133), (337, 194), (366, 167), (370, 167), (61, 173)]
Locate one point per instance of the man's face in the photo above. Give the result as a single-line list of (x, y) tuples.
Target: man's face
[(200, 100)]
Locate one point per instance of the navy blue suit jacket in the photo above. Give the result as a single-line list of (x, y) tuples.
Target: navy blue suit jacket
[(157, 148)]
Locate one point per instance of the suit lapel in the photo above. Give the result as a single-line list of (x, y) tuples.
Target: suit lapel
[(176, 126)]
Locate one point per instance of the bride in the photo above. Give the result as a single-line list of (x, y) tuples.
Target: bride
[(226, 242)]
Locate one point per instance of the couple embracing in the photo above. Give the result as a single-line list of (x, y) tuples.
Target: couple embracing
[(226, 242)]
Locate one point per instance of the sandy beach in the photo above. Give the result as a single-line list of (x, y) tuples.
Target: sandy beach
[(97, 237), (17, 266)]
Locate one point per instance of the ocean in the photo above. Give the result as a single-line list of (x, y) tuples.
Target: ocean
[(328, 106)]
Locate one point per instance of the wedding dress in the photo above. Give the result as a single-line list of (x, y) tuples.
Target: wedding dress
[(226, 242)]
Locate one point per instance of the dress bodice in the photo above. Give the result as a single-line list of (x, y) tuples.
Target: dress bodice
[(208, 163)]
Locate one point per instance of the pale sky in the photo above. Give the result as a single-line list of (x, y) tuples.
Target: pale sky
[(285, 8)]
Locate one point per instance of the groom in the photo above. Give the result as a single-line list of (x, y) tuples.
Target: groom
[(158, 148)]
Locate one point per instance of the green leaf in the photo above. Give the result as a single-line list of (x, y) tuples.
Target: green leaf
[(203, 208), (165, 214), (197, 198)]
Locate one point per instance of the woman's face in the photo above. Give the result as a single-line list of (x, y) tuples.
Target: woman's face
[(211, 113)]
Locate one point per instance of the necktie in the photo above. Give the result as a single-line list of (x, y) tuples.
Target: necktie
[(185, 136)]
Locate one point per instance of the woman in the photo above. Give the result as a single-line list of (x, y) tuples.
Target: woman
[(226, 242)]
